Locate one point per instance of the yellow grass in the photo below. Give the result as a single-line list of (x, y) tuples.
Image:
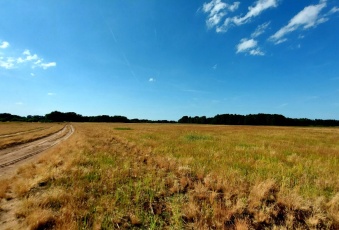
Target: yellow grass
[(14, 133), (152, 176)]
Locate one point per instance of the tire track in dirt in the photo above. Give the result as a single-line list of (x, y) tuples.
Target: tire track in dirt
[(19, 153), (11, 157)]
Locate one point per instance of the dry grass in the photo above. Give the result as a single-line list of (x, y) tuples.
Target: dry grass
[(4, 187), (119, 176), (16, 127), (14, 133)]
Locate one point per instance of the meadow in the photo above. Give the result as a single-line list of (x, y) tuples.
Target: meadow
[(171, 176)]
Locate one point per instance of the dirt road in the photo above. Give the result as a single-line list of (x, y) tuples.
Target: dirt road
[(10, 158)]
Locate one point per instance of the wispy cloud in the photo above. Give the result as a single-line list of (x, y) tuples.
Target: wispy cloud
[(151, 79), (111, 32), (260, 29), (215, 66), (216, 10), (4, 45), (307, 18), (249, 46), (333, 10), (282, 105), (26, 57), (253, 11), (51, 94), (256, 52)]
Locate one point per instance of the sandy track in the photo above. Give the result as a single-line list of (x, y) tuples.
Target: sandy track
[(12, 156)]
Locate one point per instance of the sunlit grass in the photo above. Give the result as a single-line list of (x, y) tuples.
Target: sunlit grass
[(306, 158), (185, 176)]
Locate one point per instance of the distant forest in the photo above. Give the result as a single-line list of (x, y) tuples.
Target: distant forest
[(222, 119)]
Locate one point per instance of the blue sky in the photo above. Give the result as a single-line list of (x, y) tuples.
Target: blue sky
[(165, 59)]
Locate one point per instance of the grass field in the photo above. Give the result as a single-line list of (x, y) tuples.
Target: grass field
[(155, 176), (14, 133)]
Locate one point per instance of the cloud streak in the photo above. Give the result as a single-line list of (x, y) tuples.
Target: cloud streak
[(253, 11), (260, 30), (307, 18)]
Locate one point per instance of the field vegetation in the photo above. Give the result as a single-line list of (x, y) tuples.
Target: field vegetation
[(169, 176), (14, 133)]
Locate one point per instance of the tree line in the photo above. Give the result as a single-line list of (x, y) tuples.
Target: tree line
[(57, 116), (256, 119), (220, 119)]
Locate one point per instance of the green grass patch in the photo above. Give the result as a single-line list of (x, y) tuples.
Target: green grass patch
[(197, 137), (122, 128)]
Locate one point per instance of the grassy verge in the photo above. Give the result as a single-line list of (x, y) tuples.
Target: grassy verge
[(184, 177)]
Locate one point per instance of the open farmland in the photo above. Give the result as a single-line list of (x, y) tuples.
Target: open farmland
[(156, 176)]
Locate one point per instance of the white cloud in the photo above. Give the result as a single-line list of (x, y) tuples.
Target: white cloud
[(47, 65), (38, 62), (246, 44), (249, 46), (213, 8), (51, 94), (217, 10), (307, 18), (4, 45), (27, 53), (151, 79), (29, 56), (32, 57), (260, 29), (256, 52), (26, 56), (7, 62), (234, 7), (20, 60), (32, 74), (253, 11)]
